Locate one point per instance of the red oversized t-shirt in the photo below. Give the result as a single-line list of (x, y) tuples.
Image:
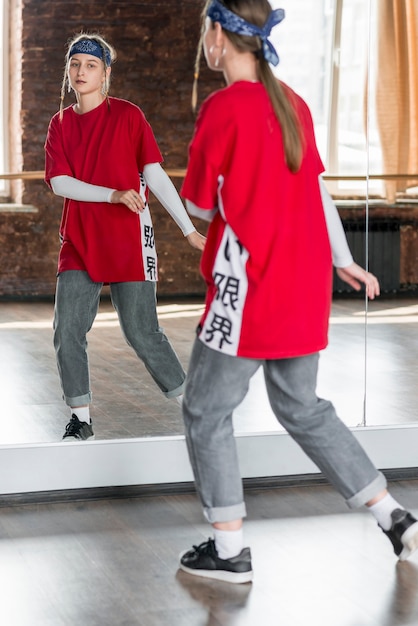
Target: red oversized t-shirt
[(108, 146), (267, 261)]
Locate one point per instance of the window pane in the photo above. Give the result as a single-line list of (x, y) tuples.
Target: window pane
[(356, 61), (305, 43)]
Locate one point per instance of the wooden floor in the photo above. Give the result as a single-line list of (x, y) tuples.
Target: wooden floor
[(114, 562), (126, 402)]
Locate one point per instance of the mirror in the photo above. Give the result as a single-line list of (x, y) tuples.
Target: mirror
[(367, 368), (126, 403)]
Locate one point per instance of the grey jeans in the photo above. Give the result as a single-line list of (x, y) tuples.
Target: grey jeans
[(76, 305), (217, 383)]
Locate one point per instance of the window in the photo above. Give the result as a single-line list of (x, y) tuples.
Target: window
[(324, 49)]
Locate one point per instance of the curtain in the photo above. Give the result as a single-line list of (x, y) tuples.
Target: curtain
[(397, 90)]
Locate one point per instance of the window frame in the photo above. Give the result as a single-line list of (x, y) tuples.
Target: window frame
[(4, 91)]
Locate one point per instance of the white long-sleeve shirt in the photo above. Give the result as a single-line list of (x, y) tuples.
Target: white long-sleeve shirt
[(156, 179), (341, 255)]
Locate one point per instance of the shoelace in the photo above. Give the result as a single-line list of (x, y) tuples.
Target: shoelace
[(73, 426), (207, 547)]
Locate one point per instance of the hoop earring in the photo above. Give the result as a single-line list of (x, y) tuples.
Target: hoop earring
[(218, 58)]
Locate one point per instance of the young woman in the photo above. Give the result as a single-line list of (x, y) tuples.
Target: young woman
[(102, 157), (254, 171)]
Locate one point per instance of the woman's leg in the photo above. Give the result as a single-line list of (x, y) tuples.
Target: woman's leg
[(216, 384), (135, 304), (313, 423), (76, 305)]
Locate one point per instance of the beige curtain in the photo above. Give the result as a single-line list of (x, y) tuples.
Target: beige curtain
[(397, 90)]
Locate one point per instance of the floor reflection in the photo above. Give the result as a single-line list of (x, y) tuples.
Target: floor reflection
[(403, 604), (224, 603), (379, 356)]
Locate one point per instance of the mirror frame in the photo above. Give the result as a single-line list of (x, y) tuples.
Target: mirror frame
[(164, 460), (49, 467)]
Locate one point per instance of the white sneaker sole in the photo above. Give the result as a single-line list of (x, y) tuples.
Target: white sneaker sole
[(410, 542), (216, 574), (73, 439)]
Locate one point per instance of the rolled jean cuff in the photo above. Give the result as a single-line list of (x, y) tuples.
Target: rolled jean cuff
[(225, 513), (368, 493), (174, 392), (78, 400)]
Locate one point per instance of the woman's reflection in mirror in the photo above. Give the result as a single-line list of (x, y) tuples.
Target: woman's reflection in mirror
[(102, 158)]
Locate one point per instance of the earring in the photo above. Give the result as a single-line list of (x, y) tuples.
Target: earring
[(218, 58)]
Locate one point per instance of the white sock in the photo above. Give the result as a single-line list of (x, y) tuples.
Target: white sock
[(228, 543), (383, 509), (82, 412)]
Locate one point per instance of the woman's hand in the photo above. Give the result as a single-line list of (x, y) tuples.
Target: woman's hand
[(354, 275), (196, 240), (129, 198)]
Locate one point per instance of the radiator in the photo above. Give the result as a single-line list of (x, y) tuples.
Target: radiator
[(383, 253)]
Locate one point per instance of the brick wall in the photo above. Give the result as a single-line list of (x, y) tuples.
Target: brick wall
[(156, 44)]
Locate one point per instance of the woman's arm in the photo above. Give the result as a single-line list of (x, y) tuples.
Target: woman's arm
[(203, 214), (341, 255), (165, 192), (156, 179), (75, 189), (347, 269)]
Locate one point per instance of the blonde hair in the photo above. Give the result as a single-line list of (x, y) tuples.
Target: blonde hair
[(108, 52), (256, 12)]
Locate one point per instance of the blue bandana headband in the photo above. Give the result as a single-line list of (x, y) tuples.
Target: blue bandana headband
[(89, 46), (233, 23)]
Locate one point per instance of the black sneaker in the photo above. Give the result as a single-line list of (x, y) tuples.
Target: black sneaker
[(78, 431), (403, 533), (204, 561)]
